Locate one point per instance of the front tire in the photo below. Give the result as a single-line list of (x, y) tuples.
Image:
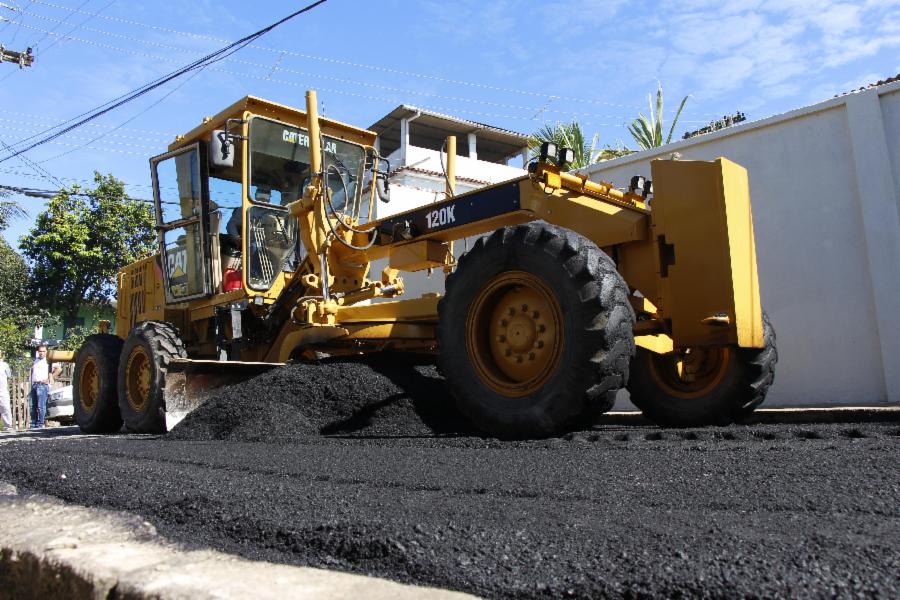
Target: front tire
[(94, 393), (142, 375), (725, 386), (534, 331)]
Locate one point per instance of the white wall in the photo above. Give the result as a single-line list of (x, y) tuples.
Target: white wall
[(825, 189), (411, 188), (417, 185)]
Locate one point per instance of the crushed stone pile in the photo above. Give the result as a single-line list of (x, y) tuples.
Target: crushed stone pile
[(385, 396)]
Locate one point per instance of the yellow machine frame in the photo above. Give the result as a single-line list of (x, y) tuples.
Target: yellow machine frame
[(691, 258)]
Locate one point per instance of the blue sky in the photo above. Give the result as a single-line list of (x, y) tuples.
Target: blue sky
[(510, 63)]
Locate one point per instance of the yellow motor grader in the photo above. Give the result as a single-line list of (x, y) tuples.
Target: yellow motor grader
[(576, 289)]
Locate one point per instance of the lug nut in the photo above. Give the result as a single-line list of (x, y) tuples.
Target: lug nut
[(524, 308), (501, 338), (531, 356), (535, 315), (540, 344), (542, 328), (503, 322), (511, 311), (519, 359)]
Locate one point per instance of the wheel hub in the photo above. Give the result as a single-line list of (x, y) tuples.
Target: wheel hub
[(690, 373), (523, 341), (137, 377), (89, 385)]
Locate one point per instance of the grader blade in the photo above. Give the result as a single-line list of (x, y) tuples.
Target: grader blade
[(190, 383)]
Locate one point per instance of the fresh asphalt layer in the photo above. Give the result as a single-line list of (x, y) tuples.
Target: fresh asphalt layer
[(371, 471)]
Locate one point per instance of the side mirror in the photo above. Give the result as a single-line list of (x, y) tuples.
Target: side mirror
[(382, 187), (221, 149)]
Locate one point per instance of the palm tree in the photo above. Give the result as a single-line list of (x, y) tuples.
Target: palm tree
[(565, 135), (648, 133), (9, 210), (569, 135)]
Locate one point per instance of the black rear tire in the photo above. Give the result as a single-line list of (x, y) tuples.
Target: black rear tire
[(94, 394), (740, 384), (580, 343), (142, 375)]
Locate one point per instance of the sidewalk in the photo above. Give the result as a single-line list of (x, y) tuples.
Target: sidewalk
[(52, 550)]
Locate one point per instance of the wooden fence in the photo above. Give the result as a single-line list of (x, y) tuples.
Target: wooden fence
[(20, 394)]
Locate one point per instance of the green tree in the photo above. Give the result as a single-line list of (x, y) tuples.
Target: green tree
[(648, 132), (18, 314), (79, 243), (16, 320)]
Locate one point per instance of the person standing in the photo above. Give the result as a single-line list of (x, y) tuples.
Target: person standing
[(5, 411), (41, 372)]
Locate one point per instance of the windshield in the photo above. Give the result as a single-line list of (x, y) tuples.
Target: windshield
[(279, 165)]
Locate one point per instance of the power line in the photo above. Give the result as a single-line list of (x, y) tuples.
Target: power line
[(198, 64), (256, 65), (530, 110), (71, 31), (44, 119), (129, 120), (564, 114), (456, 82), (44, 193), (109, 134), (9, 22), (221, 192), (21, 18), (59, 23), (37, 169), (72, 179)]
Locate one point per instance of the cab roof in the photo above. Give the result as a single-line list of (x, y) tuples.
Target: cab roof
[(271, 110)]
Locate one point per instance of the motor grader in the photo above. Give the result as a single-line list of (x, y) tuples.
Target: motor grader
[(576, 289)]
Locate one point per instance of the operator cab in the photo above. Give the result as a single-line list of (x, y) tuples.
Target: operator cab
[(222, 192)]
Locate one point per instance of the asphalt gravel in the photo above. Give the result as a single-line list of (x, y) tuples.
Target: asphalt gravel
[(386, 395), (370, 470)]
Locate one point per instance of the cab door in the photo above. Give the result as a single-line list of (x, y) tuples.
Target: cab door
[(180, 190)]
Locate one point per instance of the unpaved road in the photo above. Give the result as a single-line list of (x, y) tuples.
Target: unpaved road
[(615, 511)]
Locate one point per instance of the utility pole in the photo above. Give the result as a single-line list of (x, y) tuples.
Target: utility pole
[(23, 59)]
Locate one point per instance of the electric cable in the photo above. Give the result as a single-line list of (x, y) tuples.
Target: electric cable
[(9, 21), (43, 173), (268, 77), (59, 23), (198, 64), (21, 18), (392, 100), (129, 120), (44, 193), (77, 27), (377, 68), (43, 120)]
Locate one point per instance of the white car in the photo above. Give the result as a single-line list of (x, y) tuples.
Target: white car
[(59, 404)]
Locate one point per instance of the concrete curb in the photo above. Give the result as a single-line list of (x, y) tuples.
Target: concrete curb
[(831, 414), (53, 550)]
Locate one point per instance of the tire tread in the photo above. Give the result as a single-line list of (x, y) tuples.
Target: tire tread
[(601, 291)]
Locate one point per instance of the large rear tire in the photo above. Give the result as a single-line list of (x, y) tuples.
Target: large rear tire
[(725, 384), (142, 375), (534, 331), (94, 394)]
